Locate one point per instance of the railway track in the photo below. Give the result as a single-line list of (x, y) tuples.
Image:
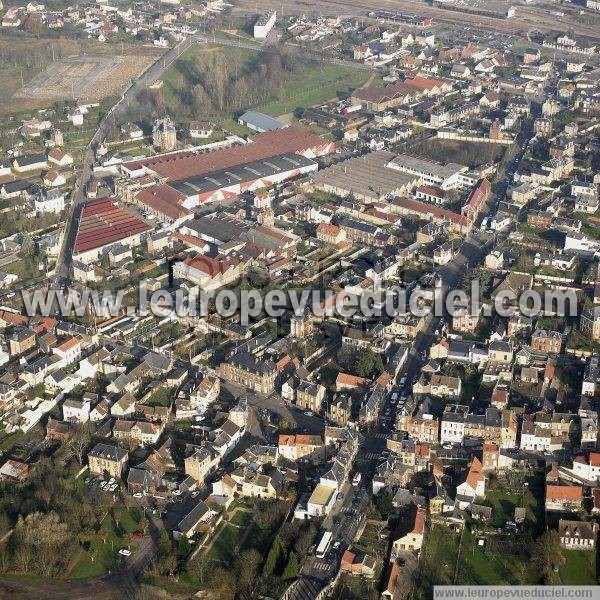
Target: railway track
[(517, 25)]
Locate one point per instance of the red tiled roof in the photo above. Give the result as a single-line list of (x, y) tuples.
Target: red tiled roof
[(479, 195), (68, 344), (423, 83), (181, 165), (432, 190), (103, 222), (58, 154), (564, 492), (347, 379), (393, 578), (164, 200), (475, 473), (191, 240), (428, 209), (13, 318), (328, 229), (379, 214), (212, 266), (419, 526)]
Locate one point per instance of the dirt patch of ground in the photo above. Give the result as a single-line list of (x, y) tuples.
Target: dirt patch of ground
[(99, 589), (86, 78)]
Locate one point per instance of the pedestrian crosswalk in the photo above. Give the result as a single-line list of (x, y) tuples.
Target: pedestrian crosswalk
[(372, 455), (322, 566)]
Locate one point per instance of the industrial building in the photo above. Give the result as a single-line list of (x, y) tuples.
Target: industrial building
[(368, 178), (102, 225), (189, 179), (260, 122)]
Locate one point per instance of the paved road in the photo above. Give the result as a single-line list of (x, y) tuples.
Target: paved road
[(152, 74), (346, 515)]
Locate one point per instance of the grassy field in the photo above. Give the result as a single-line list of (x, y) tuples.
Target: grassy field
[(504, 502), (319, 86), (502, 561), (241, 518), (102, 554), (436, 565), (316, 84), (225, 545), (465, 153), (239, 534), (579, 568), (163, 396), (10, 440)]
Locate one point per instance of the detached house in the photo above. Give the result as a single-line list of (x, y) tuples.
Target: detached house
[(106, 458), (76, 411), (256, 374), (501, 352), (577, 535), (473, 487), (59, 158), (549, 342), (564, 498), (411, 532), (68, 352)]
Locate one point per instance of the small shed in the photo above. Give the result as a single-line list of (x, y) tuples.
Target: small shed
[(520, 513)]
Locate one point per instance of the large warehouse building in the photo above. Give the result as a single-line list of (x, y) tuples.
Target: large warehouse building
[(102, 225), (189, 179), (368, 178)]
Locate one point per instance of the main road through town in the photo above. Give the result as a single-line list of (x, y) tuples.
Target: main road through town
[(345, 517)]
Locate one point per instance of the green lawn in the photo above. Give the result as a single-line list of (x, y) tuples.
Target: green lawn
[(241, 518), (320, 85), (502, 561), (579, 568), (224, 548), (504, 502), (257, 538), (102, 554), (161, 397), (437, 562)]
